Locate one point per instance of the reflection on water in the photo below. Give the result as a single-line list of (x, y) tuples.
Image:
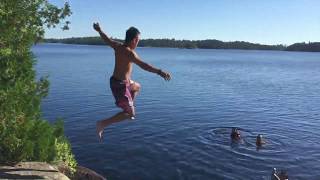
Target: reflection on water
[(182, 129)]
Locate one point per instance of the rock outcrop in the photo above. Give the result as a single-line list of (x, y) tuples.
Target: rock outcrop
[(31, 170), (42, 170)]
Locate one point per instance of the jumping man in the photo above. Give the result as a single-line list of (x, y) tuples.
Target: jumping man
[(123, 88)]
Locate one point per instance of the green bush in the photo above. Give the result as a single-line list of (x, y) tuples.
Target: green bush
[(63, 148), (24, 135)]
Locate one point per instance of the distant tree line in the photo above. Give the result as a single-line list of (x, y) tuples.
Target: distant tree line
[(310, 47), (189, 44)]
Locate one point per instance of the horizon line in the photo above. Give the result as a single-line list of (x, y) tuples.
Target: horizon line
[(188, 40)]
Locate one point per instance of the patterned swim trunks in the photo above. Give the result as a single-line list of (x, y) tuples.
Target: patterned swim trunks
[(122, 92)]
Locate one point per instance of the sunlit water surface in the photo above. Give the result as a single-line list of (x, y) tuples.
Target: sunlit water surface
[(182, 129)]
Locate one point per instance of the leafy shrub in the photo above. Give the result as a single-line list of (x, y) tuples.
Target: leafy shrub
[(24, 135)]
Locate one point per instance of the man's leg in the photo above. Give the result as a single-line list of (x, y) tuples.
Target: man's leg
[(135, 88), (100, 125)]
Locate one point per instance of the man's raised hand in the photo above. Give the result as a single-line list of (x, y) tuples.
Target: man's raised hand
[(96, 27)]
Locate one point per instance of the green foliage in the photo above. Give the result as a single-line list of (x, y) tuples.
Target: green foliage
[(24, 135), (63, 149)]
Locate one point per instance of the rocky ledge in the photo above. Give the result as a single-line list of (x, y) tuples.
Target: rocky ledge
[(41, 170)]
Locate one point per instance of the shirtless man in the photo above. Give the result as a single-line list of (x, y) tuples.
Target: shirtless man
[(123, 88)]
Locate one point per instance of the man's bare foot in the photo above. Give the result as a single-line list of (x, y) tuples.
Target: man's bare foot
[(99, 129)]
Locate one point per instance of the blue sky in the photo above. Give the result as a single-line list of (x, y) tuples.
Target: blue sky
[(266, 22)]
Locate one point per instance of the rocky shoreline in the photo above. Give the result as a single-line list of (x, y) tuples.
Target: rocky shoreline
[(42, 170)]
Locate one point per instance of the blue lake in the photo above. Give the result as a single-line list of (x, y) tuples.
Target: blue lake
[(182, 129)]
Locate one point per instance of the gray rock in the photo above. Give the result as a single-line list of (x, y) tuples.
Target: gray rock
[(31, 170)]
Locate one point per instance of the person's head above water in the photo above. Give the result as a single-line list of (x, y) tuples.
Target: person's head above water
[(259, 137), (235, 134), (260, 141), (132, 37)]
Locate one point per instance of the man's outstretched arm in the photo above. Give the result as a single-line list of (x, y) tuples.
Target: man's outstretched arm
[(106, 39), (145, 66)]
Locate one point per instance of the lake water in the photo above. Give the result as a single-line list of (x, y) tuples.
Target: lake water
[(182, 129)]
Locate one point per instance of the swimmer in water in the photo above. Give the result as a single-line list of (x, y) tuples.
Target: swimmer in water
[(260, 141), (283, 175), (235, 134)]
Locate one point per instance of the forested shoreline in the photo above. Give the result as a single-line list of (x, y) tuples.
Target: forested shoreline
[(192, 44)]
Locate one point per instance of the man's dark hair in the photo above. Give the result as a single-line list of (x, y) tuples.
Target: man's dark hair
[(131, 33)]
